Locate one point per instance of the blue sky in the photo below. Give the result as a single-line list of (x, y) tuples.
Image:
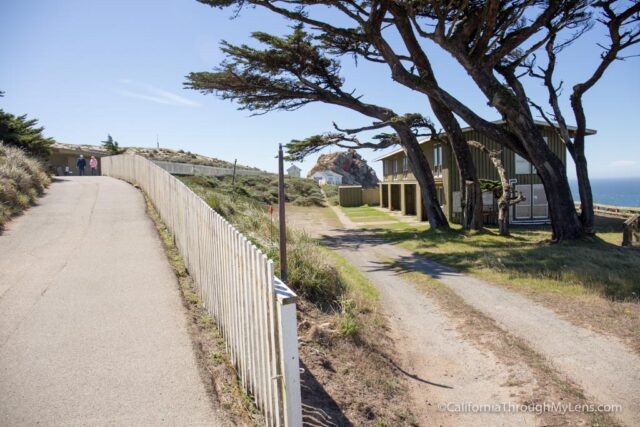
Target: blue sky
[(87, 68)]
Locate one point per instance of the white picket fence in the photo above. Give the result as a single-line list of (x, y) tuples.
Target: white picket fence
[(255, 311)]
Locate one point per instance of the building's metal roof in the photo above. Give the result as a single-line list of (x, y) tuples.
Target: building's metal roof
[(326, 172), (469, 129)]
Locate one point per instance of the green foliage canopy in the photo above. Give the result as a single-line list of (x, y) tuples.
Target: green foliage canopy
[(24, 133), (112, 146)]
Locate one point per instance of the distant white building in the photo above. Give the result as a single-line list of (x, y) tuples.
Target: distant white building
[(294, 171), (327, 177)]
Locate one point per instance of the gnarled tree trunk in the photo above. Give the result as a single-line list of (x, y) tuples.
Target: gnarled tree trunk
[(422, 171), (471, 201), (565, 222), (587, 216), (564, 219)]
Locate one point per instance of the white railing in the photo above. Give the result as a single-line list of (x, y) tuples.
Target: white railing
[(613, 211), (192, 169), (255, 311)]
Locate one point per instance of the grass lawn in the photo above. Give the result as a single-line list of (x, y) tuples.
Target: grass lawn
[(598, 266), (357, 285), (366, 214)]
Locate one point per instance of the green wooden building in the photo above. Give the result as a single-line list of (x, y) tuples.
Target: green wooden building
[(399, 190)]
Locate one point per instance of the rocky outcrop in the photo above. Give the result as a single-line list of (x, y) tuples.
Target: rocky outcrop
[(353, 168)]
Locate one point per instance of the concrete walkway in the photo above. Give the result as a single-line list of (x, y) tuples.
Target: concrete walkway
[(92, 327)]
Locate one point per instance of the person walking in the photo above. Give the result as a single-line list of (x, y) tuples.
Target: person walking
[(93, 164), (81, 163)]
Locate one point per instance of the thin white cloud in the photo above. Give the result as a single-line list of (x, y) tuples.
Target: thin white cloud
[(623, 163), (151, 93)]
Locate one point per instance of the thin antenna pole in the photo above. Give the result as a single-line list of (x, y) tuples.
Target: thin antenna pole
[(281, 214)]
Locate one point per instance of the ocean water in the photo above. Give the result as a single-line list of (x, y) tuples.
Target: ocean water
[(612, 191)]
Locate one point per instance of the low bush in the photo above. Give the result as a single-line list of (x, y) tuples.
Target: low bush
[(312, 274), (22, 180)]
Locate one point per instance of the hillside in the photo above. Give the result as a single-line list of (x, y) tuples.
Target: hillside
[(165, 154), (22, 180), (262, 189), (353, 168)]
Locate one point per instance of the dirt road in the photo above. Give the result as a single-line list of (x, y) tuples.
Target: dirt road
[(602, 366), (92, 327), (442, 367)]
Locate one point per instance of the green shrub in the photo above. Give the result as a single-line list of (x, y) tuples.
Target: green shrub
[(348, 323), (24, 134), (311, 273)]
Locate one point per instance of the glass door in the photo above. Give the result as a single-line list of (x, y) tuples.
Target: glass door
[(539, 206), (523, 209), (535, 205)]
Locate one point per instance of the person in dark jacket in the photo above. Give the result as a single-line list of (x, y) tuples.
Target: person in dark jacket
[(81, 163)]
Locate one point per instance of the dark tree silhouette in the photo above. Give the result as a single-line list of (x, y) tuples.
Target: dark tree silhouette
[(486, 38), (19, 131), (112, 146), (294, 71)]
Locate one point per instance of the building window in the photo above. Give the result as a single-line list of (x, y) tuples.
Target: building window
[(523, 167), (437, 160), (405, 165), (395, 166)]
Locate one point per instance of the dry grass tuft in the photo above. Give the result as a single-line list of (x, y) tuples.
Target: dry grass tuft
[(22, 180)]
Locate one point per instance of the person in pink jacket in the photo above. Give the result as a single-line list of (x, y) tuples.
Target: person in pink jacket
[(93, 164)]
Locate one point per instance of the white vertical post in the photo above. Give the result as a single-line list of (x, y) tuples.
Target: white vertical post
[(290, 363)]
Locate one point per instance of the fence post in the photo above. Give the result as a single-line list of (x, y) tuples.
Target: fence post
[(289, 356)]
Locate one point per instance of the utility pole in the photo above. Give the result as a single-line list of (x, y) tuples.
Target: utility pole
[(283, 225), (157, 141)]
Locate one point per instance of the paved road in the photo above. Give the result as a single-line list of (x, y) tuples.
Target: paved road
[(92, 328)]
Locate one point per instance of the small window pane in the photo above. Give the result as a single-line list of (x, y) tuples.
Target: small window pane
[(540, 211), (539, 202), (539, 196), (523, 167), (523, 209), (437, 160)]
